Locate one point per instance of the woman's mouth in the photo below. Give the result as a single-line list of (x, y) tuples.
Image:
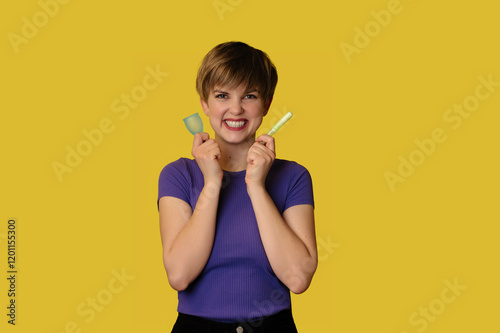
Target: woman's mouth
[(235, 124)]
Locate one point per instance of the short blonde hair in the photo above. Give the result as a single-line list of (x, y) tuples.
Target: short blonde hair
[(234, 63)]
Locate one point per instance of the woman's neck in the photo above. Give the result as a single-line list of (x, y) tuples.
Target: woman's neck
[(234, 156)]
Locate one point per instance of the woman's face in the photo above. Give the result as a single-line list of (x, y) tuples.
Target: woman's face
[(234, 114)]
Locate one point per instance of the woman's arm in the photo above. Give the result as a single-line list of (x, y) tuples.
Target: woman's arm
[(289, 241), (188, 236)]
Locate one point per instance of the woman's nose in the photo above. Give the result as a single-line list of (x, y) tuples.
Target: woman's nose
[(236, 108)]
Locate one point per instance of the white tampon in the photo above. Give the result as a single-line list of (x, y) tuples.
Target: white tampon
[(280, 123)]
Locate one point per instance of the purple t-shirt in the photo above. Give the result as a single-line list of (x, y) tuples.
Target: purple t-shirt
[(237, 283)]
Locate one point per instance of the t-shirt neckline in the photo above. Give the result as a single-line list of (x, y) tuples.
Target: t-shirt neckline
[(241, 173)]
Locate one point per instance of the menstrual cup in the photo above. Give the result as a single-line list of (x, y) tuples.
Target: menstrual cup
[(193, 123)]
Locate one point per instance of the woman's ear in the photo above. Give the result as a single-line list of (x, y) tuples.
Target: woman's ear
[(204, 106)]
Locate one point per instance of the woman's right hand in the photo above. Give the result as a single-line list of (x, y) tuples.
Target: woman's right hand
[(207, 152)]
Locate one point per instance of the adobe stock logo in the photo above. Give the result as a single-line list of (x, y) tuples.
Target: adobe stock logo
[(272, 117), (121, 106), (223, 6), (95, 304), (364, 36), (326, 247), (425, 315), (30, 27), (455, 116), (276, 297)]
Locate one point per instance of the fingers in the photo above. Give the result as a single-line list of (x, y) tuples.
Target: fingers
[(260, 158), (199, 138), (267, 141), (213, 149), (208, 150), (205, 148), (261, 153)]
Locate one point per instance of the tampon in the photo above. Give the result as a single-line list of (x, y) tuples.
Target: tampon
[(280, 123)]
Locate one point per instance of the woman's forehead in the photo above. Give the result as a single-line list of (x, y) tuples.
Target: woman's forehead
[(239, 88)]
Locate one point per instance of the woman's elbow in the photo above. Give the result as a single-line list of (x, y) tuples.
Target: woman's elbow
[(299, 286), (300, 281), (177, 283), (176, 278)]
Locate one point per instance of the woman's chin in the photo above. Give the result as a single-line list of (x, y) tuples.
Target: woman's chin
[(237, 139)]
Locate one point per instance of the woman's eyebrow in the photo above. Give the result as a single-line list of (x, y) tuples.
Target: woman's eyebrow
[(225, 92)]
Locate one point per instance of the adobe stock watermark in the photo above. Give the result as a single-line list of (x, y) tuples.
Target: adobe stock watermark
[(204, 196), (326, 247), (277, 298), (272, 117), (429, 313), (31, 26), (121, 107), (364, 36), (271, 304), (453, 117), (89, 309), (223, 6)]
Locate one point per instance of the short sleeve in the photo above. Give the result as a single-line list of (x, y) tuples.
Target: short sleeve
[(174, 182), (300, 191)]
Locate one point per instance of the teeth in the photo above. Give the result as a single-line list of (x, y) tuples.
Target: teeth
[(235, 123)]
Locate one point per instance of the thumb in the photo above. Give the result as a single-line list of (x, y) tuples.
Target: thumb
[(199, 138)]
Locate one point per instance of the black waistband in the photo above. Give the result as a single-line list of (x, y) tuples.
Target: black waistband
[(278, 320)]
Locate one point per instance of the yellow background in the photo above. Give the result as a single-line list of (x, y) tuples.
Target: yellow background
[(384, 254)]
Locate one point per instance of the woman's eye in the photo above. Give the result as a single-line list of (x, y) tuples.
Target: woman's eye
[(250, 96), (220, 96)]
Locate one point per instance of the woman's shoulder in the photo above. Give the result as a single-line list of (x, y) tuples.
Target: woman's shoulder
[(182, 162), (287, 165), (288, 168), (289, 183), (182, 166)]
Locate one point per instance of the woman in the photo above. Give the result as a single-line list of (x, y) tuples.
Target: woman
[(237, 224)]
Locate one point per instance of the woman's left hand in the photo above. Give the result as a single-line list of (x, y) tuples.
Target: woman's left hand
[(260, 157)]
